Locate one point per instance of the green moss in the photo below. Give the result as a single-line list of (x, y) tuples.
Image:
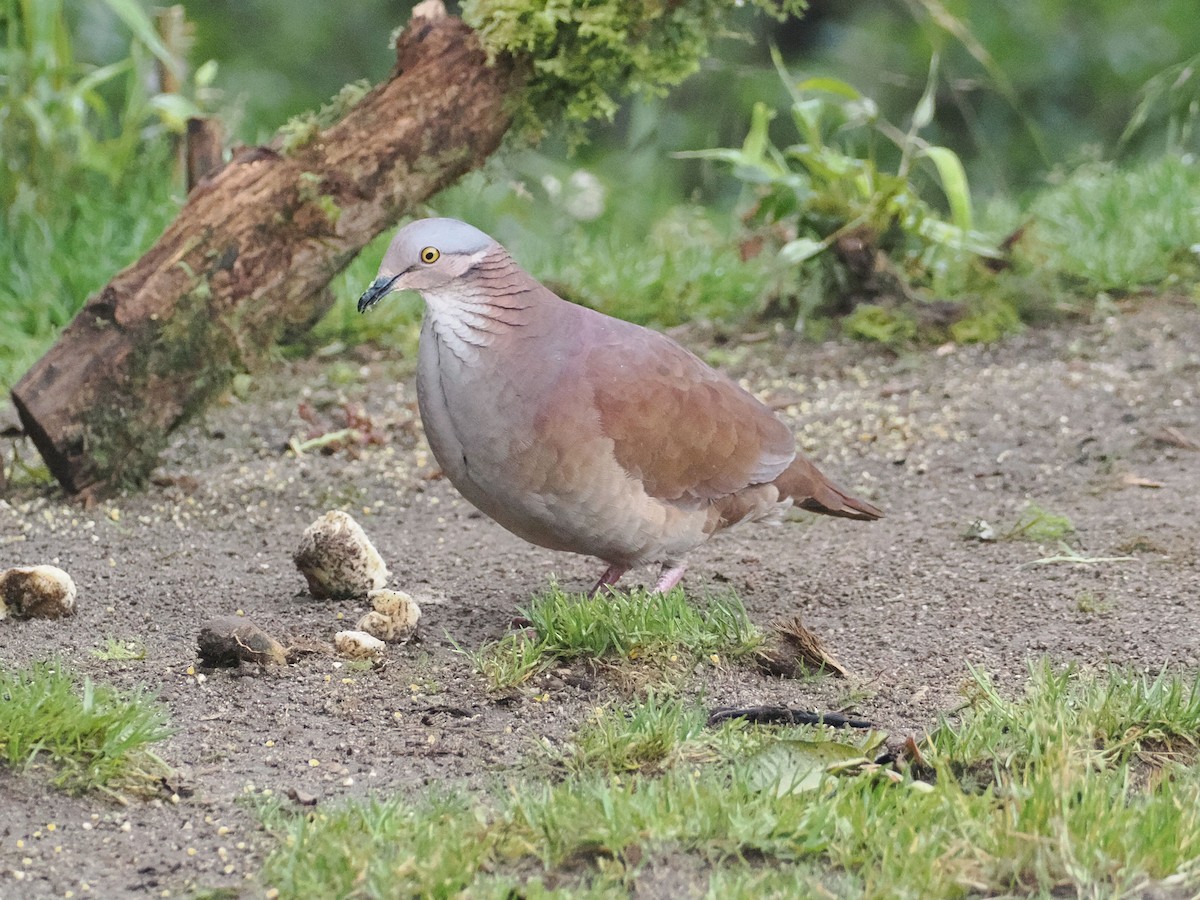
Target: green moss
[(582, 58), (869, 322), (1041, 525), (300, 131), (329, 206), (989, 321), (310, 192), (124, 450)]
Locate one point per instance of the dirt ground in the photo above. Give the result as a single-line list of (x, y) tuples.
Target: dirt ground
[(1079, 418)]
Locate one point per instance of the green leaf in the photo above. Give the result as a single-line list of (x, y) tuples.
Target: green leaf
[(923, 114), (797, 767), (954, 183), (131, 13), (720, 154), (795, 252), (174, 110), (97, 77), (807, 114), (830, 86), (758, 161), (754, 148), (41, 122), (206, 74)]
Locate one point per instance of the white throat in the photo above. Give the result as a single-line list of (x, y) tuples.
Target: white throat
[(459, 316), (467, 314)]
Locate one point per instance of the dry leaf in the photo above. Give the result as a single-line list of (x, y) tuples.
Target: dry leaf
[(793, 650), (1174, 438)]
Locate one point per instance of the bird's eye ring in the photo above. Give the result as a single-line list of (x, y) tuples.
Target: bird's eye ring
[(430, 255)]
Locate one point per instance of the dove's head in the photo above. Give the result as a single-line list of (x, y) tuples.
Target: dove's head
[(425, 256)]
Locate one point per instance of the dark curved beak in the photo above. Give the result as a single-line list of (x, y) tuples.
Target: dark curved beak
[(372, 295)]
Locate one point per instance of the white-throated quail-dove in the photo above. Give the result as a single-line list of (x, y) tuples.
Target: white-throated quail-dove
[(577, 431)]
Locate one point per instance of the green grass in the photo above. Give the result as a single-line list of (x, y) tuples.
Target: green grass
[(89, 736), (643, 737), (649, 261), (683, 269), (1111, 229), (1085, 784), (116, 650), (620, 628), (659, 733), (1040, 525), (1107, 719), (50, 262), (85, 161), (87, 188)]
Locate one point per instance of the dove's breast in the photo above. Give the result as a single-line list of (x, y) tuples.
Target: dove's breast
[(522, 441)]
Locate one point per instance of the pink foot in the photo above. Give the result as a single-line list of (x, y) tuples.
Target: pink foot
[(669, 578), (610, 577)]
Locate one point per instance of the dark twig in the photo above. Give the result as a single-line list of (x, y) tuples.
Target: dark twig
[(782, 715)]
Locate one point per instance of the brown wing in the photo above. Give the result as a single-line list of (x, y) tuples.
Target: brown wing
[(680, 427)]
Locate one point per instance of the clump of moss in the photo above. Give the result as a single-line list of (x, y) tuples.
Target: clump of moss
[(871, 322), (584, 57), (300, 131), (989, 320), (309, 191)]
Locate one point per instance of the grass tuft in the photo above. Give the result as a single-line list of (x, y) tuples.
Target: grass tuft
[(1107, 719), (116, 650), (660, 628), (1040, 525), (1084, 785), (91, 736), (659, 733), (53, 260), (648, 736), (1112, 229), (378, 848)]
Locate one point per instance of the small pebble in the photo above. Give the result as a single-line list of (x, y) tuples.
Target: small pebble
[(980, 530), (358, 645), (230, 640), (393, 617), (337, 558), (40, 592)]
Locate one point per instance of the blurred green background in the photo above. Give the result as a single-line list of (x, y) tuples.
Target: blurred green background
[(1059, 82), (1074, 119)]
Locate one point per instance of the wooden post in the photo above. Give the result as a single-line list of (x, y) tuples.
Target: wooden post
[(203, 154), (251, 252)]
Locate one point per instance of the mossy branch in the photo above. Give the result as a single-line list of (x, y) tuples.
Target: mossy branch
[(582, 58)]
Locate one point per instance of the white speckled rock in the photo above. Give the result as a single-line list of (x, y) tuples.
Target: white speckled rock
[(393, 617), (338, 559), (41, 592), (358, 645)]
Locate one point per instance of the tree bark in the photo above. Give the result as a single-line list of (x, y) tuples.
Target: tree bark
[(251, 253)]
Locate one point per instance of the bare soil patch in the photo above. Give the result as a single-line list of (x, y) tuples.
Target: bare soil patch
[(1079, 419)]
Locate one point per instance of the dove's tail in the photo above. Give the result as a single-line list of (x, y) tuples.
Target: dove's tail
[(809, 489)]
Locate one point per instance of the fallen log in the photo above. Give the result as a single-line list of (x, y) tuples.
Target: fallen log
[(250, 255)]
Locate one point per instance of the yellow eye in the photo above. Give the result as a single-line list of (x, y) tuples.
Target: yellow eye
[(430, 255)]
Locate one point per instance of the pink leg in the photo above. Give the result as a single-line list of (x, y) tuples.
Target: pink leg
[(669, 578), (610, 577)]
